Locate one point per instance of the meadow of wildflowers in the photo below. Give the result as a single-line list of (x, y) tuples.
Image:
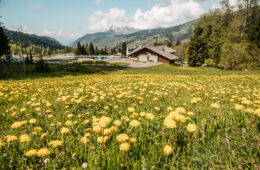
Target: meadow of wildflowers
[(132, 121)]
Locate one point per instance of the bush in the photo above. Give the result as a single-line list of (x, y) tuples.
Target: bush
[(210, 63), (42, 67)]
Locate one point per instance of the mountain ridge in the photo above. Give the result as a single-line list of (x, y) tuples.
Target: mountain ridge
[(144, 37), (29, 39)]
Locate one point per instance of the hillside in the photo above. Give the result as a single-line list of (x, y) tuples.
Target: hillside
[(145, 37), (29, 39)]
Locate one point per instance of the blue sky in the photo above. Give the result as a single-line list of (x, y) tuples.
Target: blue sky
[(68, 19)]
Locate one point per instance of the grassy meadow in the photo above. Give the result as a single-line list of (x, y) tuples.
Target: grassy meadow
[(161, 117)]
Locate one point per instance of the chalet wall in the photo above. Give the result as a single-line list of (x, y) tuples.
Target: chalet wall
[(149, 55), (163, 60)]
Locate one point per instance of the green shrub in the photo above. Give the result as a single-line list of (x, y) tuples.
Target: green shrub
[(42, 67), (210, 63)]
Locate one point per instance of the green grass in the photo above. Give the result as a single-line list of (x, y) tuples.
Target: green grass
[(225, 138)]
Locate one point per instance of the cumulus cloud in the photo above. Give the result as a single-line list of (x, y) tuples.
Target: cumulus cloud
[(48, 33), (176, 12), (22, 28)]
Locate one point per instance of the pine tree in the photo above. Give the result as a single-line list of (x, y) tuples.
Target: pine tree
[(31, 56), (78, 49), (86, 49), (91, 49), (197, 50), (123, 49), (4, 43)]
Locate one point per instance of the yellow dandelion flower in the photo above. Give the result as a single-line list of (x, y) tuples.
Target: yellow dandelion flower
[(23, 109), (84, 140), (169, 123), (157, 108), (70, 115), (124, 147), (239, 107), (97, 129), (246, 102), (37, 129), (167, 150), (191, 127), (64, 130), (134, 123), (11, 138), (131, 109), (142, 114), (133, 140), (117, 123), (169, 108), (104, 121), (122, 137), (55, 143), (190, 113), (25, 138), (16, 125), (215, 106), (43, 152), (180, 110), (249, 110), (149, 116), (85, 122), (102, 139), (31, 152), (1, 143), (68, 123), (43, 135)]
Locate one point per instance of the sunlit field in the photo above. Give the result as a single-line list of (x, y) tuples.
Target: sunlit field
[(131, 121)]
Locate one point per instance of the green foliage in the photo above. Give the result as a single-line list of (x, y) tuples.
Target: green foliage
[(123, 49), (4, 43), (41, 67), (228, 38), (210, 63), (197, 50), (91, 49), (29, 39)]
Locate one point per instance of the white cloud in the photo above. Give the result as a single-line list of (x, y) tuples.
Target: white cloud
[(35, 6), (174, 13), (48, 33), (98, 1), (100, 21), (22, 28)]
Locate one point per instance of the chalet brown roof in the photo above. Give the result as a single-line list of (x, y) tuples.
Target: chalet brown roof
[(161, 50)]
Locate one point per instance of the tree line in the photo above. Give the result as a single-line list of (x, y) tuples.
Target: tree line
[(5, 49), (90, 49), (227, 38)]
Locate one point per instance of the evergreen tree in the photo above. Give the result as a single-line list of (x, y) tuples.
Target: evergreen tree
[(169, 44), (86, 49), (91, 49), (178, 43), (97, 51), (197, 49), (82, 50), (4, 43), (123, 49), (78, 49)]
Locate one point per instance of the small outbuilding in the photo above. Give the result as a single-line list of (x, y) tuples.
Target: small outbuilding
[(162, 54)]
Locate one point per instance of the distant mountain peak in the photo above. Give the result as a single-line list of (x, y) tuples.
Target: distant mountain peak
[(122, 30)]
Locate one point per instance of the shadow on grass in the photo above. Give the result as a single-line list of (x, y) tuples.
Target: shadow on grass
[(15, 71)]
